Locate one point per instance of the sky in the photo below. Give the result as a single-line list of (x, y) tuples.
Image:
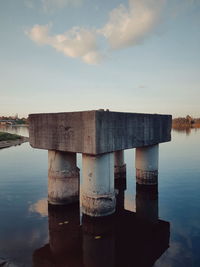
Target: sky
[(72, 55)]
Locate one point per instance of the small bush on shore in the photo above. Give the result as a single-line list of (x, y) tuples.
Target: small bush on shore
[(7, 136)]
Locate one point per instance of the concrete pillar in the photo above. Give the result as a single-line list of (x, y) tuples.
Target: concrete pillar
[(63, 178), (147, 165), (120, 166), (97, 193)]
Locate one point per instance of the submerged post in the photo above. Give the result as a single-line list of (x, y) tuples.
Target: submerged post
[(63, 178), (98, 195), (147, 165)]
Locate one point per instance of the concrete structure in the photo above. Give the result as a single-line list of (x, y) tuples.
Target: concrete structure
[(120, 166), (63, 184), (98, 195), (96, 132), (147, 165), (97, 135)]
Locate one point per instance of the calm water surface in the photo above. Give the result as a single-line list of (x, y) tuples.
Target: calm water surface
[(32, 235)]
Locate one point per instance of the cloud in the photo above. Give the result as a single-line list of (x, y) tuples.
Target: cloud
[(39, 34), (128, 26), (76, 43), (41, 207)]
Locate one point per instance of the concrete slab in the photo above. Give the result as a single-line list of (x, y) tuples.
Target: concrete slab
[(97, 131)]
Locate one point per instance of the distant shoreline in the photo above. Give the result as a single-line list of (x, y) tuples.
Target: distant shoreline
[(185, 123), (8, 140)]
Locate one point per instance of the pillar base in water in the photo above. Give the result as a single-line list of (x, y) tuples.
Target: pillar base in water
[(97, 206), (63, 189), (63, 178), (98, 194), (147, 165)]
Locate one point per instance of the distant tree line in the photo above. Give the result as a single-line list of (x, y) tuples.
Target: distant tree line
[(186, 122), (8, 136), (14, 120)]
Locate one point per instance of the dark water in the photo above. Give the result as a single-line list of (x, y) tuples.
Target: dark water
[(32, 235)]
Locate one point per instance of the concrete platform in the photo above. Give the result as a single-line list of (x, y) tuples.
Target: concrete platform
[(97, 131)]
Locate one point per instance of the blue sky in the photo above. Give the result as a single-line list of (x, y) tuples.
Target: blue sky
[(68, 55)]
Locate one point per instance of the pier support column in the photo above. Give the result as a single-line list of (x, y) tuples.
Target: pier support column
[(97, 194), (120, 166), (63, 178), (147, 165)]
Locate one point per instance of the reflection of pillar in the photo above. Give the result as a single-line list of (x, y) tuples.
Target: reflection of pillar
[(63, 174), (64, 248), (147, 165), (147, 202), (120, 166), (98, 242), (98, 196), (64, 230), (120, 186)]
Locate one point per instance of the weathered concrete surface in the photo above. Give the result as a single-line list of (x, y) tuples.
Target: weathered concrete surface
[(120, 166), (146, 163), (63, 178), (96, 132), (97, 191)]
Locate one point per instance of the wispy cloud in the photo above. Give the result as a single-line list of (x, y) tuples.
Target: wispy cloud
[(76, 43), (128, 26)]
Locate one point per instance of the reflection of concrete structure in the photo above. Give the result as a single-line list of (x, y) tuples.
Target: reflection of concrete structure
[(97, 135), (147, 202), (64, 248), (98, 242), (139, 243), (123, 239), (120, 186)]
